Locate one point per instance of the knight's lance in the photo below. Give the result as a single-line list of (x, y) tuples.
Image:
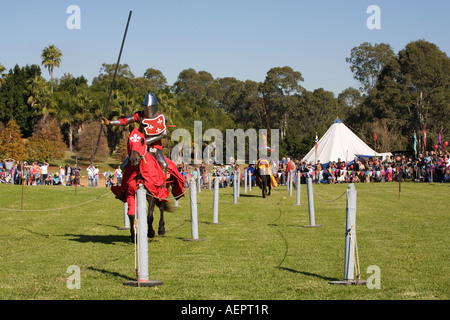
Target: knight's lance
[(112, 82)]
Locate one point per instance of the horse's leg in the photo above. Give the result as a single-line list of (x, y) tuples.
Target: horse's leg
[(264, 185), (161, 228), (131, 218), (151, 206), (131, 203)]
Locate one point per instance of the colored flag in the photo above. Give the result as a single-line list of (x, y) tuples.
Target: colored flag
[(425, 137), (440, 142), (374, 136), (316, 141), (415, 142), (315, 146)]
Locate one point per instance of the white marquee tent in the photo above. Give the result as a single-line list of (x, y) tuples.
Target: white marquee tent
[(339, 142)]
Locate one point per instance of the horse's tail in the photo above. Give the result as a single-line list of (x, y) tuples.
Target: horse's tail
[(165, 205)]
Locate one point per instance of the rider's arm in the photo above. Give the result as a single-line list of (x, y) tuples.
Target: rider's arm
[(151, 140), (122, 121)]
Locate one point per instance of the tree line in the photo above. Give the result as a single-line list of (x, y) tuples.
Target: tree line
[(399, 95)]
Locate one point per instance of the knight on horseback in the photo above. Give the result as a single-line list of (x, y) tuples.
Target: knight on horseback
[(144, 156), (151, 123), (264, 171)]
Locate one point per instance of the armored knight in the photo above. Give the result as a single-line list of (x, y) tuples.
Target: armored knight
[(152, 124)]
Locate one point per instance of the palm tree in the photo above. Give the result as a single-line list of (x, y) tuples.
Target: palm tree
[(51, 58), (72, 110), (2, 69), (39, 97)]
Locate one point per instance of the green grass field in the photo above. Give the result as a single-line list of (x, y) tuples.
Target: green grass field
[(259, 251)]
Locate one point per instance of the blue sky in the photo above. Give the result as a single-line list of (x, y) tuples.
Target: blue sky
[(227, 38)]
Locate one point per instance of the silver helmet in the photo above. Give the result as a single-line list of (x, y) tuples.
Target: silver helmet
[(150, 105)]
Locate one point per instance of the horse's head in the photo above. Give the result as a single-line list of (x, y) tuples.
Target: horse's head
[(136, 147)]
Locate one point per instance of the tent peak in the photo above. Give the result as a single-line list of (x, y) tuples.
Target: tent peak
[(337, 121)]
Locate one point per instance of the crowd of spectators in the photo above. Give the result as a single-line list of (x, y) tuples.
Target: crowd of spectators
[(429, 167), (224, 173), (16, 172)]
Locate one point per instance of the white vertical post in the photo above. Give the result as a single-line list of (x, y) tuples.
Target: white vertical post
[(238, 182), (216, 202), (288, 175), (249, 181), (142, 244), (291, 177), (209, 181), (245, 180), (193, 199), (312, 221), (126, 220), (235, 191), (350, 241), (349, 260), (141, 197), (298, 188)]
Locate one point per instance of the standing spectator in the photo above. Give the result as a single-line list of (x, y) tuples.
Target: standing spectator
[(389, 172), (194, 173), (9, 164), (118, 173), (90, 172), (77, 171), (319, 173), (68, 174), (289, 169), (19, 173), (62, 175), (96, 176), (281, 170), (202, 172), (33, 174), (251, 169), (44, 172)]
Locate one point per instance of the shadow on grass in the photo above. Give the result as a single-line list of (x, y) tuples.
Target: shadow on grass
[(108, 239), (309, 274), (245, 195), (111, 273)]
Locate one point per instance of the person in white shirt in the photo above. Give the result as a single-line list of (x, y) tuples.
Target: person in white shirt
[(118, 173), (96, 176), (44, 172), (62, 174), (90, 172)]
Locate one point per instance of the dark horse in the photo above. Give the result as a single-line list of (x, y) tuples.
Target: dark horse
[(142, 168), (263, 171), (135, 159)]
